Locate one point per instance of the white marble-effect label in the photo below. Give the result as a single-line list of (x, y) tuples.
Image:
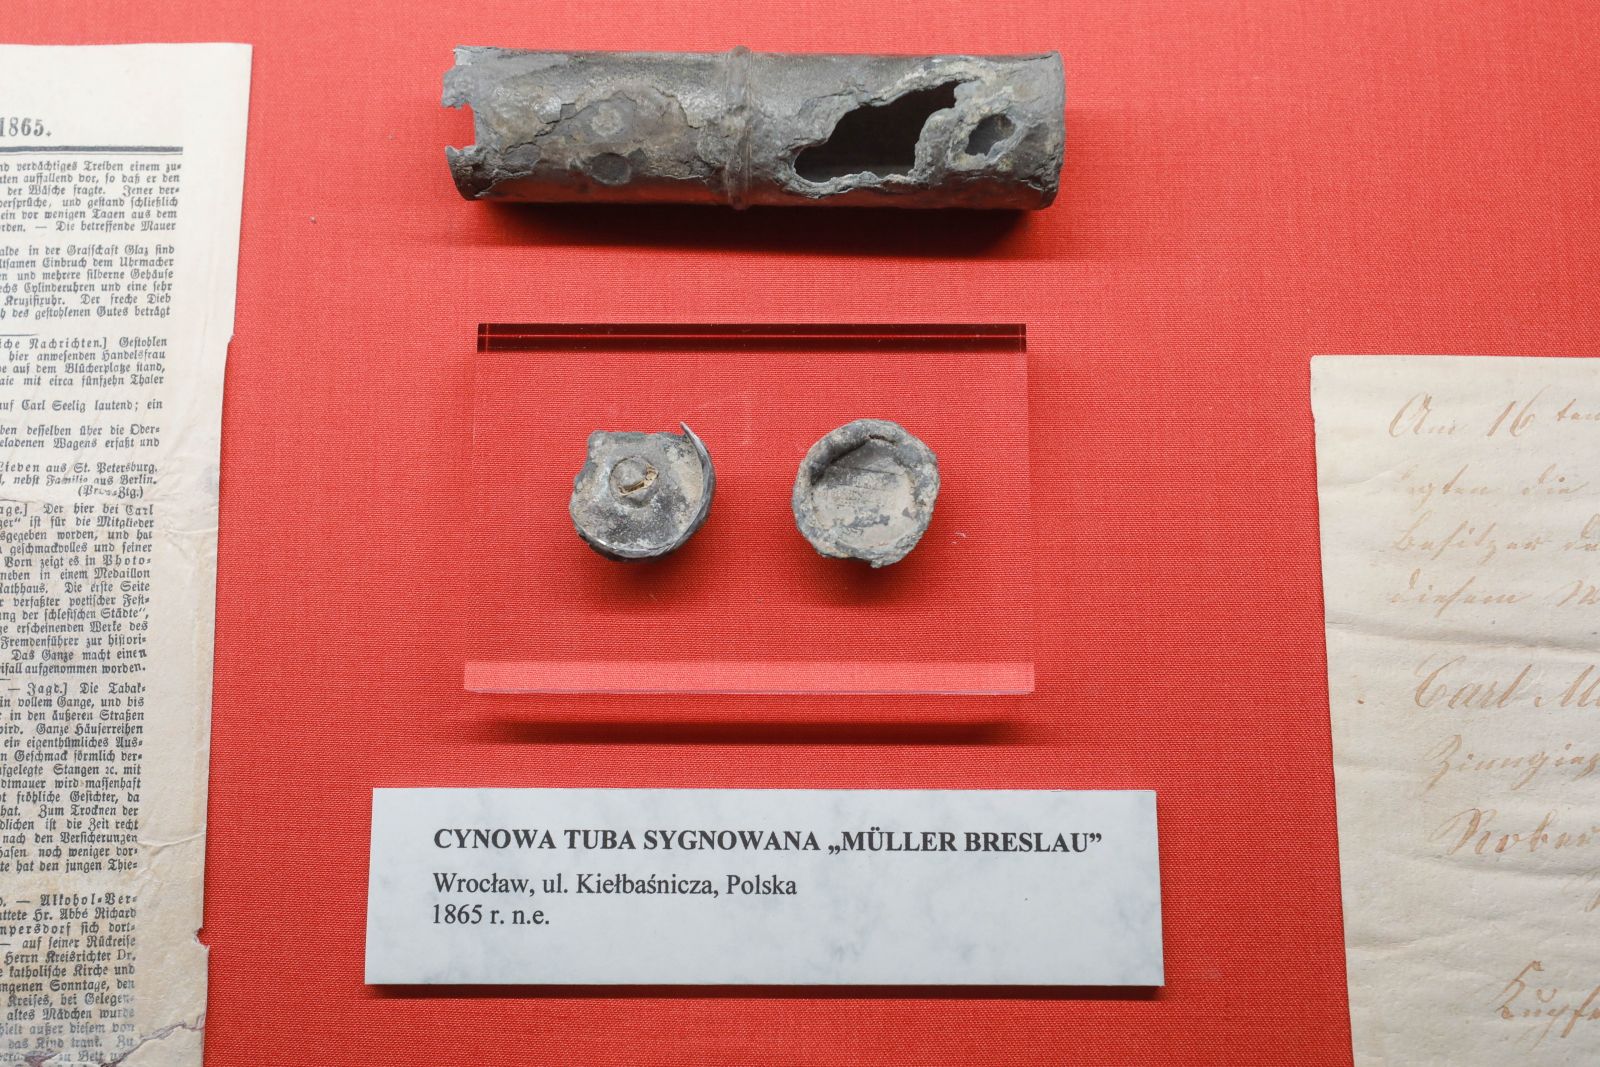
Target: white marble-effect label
[(763, 887)]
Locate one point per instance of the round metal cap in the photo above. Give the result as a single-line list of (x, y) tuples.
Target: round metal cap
[(866, 491), (641, 495)]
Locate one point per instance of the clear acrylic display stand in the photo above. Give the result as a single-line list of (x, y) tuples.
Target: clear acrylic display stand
[(747, 606)]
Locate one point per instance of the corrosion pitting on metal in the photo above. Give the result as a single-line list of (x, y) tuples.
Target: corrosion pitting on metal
[(642, 494), (746, 127), (866, 491)]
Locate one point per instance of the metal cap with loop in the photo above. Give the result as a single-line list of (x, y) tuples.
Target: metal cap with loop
[(641, 495)]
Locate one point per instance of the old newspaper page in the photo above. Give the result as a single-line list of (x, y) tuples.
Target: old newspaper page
[(1460, 506), (121, 171)]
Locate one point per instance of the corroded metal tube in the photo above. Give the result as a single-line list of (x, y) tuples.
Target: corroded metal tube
[(744, 128)]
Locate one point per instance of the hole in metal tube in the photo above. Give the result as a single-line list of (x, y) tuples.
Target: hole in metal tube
[(990, 131), (878, 139)]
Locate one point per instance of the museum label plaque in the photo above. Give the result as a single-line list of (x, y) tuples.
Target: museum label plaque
[(763, 887)]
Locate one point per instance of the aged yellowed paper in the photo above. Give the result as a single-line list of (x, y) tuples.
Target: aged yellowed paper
[(121, 171), (1460, 503)]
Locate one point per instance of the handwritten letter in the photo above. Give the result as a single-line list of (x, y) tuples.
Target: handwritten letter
[(1461, 568)]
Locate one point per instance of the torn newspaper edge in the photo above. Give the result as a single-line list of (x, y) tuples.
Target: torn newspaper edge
[(121, 176)]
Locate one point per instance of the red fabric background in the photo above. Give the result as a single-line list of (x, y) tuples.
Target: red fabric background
[(1248, 182)]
